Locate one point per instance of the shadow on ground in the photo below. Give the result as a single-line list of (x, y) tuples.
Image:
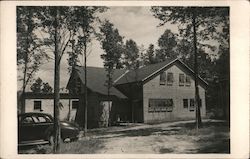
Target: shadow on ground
[(213, 137)]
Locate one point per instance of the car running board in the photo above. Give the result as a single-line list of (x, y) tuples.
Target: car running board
[(33, 142)]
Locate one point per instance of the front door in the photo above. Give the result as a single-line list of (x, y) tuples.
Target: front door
[(138, 111)]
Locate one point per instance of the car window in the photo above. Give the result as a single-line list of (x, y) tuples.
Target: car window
[(36, 120), (27, 119), (47, 118), (42, 119)]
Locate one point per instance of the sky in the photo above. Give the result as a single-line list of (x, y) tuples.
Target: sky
[(136, 23)]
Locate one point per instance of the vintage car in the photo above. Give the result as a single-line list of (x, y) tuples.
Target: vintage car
[(37, 128)]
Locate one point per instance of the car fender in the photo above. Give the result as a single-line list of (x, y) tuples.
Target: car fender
[(49, 132)]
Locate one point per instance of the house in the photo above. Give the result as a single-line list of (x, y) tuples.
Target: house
[(44, 102), (159, 92)]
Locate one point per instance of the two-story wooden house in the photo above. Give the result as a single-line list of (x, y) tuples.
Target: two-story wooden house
[(162, 92), (159, 92)]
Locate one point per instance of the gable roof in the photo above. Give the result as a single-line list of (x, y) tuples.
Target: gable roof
[(147, 72), (141, 73), (96, 80)]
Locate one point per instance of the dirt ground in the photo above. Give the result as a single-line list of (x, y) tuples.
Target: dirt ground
[(172, 137)]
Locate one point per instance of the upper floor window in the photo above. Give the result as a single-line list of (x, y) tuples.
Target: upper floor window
[(170, 78), (163, 78), (181, 79), (185, 103), (188, 80), (37, 105)]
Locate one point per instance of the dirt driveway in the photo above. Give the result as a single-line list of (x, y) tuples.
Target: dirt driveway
[(172, 137)]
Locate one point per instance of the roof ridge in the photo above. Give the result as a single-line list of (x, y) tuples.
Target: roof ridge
[(97, 67)]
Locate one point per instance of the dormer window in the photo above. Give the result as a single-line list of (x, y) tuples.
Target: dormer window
[(163, 78), (170, 78)]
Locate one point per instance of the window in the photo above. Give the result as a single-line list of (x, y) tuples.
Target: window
[(37, 105), (170, 105), (181, 79), (191, 106), (185, 103), (27, 120), (160, 105), (75, 104), (170, 78), (163, 78), (188, 80)]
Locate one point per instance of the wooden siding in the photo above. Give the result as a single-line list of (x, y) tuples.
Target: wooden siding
[(119, 107), (153, 90), (47, 105)]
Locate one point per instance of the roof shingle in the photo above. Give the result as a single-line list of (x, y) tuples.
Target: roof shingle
[(142, 73), (96, 80)]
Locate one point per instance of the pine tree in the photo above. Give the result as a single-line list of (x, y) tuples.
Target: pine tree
[(131, 54), (149, 57)]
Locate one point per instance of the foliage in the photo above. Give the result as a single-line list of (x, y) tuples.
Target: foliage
[(212, 24), (40, 87), (83, 31), (30, 55), (167, 46), (58, 26), (208, 20), (47, 88), (112, 44), (149, 57), (36, 86), (131, 55)]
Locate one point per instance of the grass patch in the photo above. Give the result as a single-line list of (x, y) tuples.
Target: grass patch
[(85, 146)]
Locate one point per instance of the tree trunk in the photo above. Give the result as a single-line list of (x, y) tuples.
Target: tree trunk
[(69, 113), (109, 99), (26, 63), (197, 98), (56, 147), (85, 90), (24, 79)]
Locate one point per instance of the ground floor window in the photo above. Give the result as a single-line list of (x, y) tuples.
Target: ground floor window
[(37, 105), (191, 105), (75, 104), (160, 105)]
